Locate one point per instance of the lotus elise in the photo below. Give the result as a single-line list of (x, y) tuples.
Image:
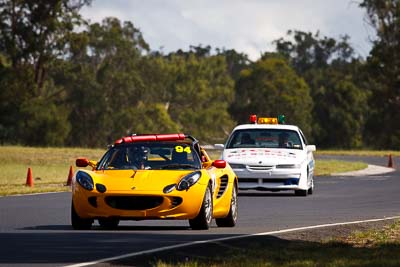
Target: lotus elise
[(154, 176)]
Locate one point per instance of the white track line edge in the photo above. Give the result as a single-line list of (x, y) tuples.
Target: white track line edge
[(149, 251)]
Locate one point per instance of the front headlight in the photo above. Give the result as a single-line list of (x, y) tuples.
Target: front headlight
[(187, 181), (85, 180), (288, 166)]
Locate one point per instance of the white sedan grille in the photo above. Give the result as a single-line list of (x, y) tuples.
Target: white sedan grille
[(260, 168)]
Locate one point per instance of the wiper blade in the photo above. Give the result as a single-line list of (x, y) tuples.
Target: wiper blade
[(178, 166)]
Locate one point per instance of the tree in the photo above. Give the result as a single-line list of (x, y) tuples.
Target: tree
[(235, 61), (44, 123), (34, 34), (339, 111), (145, 118), (333, 73), (383, 64), (269, 88), (199, 92), (103, 81)]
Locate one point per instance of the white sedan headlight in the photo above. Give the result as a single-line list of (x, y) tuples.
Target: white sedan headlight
[(237, 166), (288, 166)]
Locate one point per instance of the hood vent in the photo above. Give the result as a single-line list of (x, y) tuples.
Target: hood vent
[(223, 185)]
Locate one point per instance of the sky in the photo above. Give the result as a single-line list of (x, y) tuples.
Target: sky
[(248, 26)]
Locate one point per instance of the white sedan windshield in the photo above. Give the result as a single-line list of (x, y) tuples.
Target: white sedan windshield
[(265, 138)]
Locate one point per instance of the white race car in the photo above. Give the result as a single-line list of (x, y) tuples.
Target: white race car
[(268, 155)]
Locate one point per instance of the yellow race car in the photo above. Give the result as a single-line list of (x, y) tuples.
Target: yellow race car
[(155, 176)]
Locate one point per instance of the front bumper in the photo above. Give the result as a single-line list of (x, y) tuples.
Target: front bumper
[(274, 179), (138, 206)]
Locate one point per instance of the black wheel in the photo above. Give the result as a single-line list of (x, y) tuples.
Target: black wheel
[(302, 193), (230, 220), (311, 189), (108, 223), (79, 223), (203, 219)]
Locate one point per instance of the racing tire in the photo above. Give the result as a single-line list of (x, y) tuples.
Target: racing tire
[(301, 193), (79, 223), (108, 223), (203, 220), (230, 220), (311, 189)]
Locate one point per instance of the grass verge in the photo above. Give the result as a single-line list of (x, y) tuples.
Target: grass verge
[(50, 167), (369, 153), (326, 167), (339, 246)]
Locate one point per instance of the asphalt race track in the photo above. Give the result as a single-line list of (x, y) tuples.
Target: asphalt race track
[(35, 229)]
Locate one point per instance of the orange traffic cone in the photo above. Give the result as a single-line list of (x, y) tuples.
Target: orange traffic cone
[(390, 161), (71, 173), (29, 179)]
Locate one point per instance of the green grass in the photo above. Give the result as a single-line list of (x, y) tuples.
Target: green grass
[(327, 167), (50, 167), (370, 248), (375, 153), (388, 235)]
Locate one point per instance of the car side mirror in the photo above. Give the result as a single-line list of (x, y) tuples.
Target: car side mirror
[(82, 162), (219, 163), (311, 148)]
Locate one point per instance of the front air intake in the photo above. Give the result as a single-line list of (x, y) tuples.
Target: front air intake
[(133, 202)]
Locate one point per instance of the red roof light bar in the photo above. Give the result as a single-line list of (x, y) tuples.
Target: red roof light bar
[(151, 138), (253, 119)]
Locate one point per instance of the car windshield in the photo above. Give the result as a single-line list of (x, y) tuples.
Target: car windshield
[(151, 156), (265, 138)]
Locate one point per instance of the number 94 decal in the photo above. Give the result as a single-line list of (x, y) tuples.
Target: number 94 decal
[(181, 149)]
